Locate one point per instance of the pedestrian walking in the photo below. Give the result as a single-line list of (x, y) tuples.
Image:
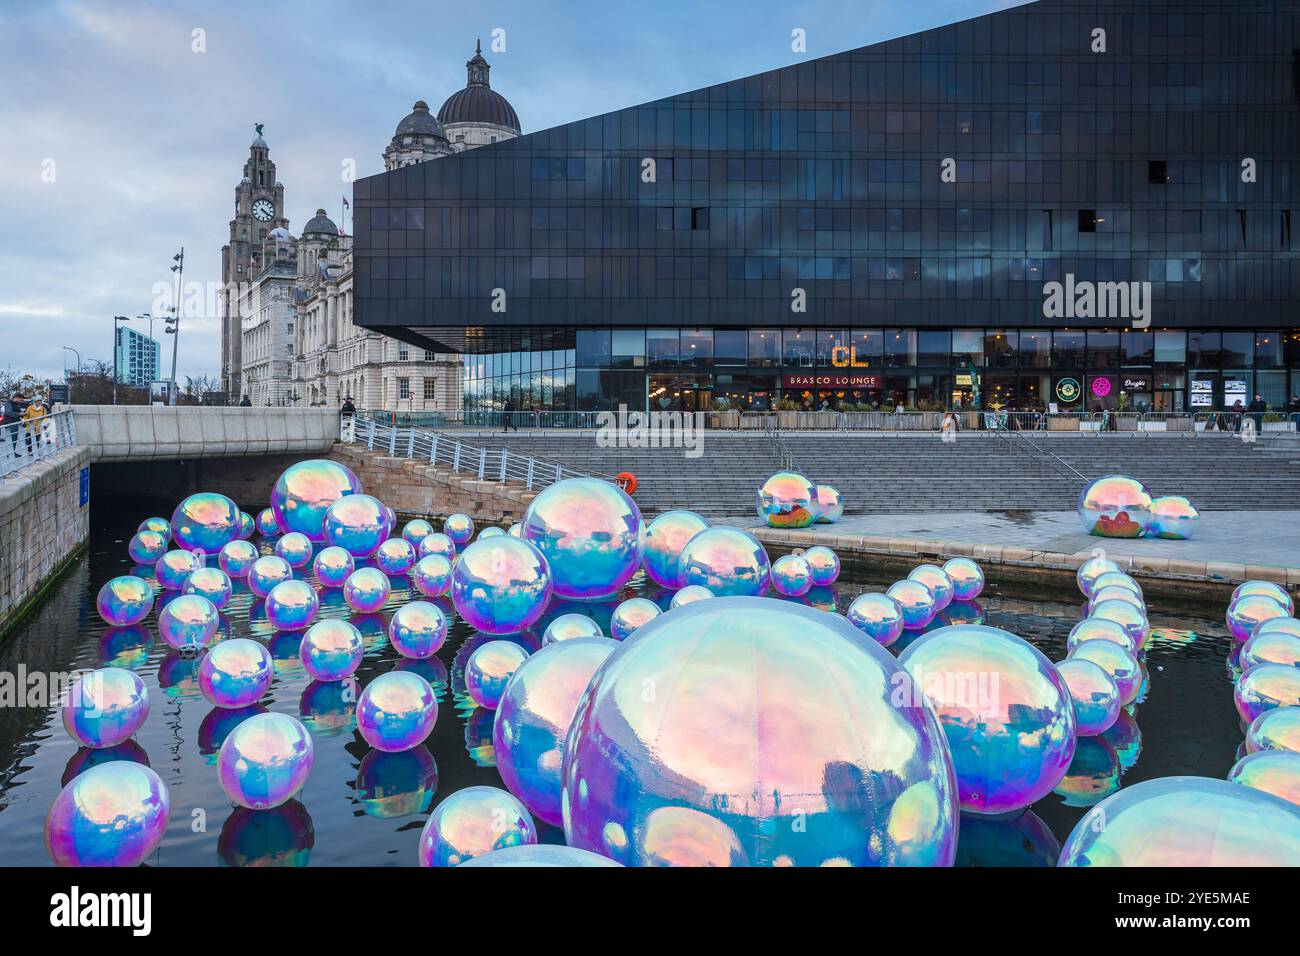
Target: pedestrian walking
[(245, 403), (1293, 409), (11, 415), (508, 416), (33, 416)]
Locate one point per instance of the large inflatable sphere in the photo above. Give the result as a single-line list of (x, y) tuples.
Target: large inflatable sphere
[(1275, 729), (1091, 570), (500, 585), (630, 616), (1115, 507), (728, 561), (1095, 694), (146, 547), (489, 669), (205, 522), (936, 579), (786, 500), (417, 629), (539, 855), (237, 557), (367, 590), (825, 565), (474, 822), (432, 575), (1249, 611), (791, 575), (124, 600), (173, 569), (331, 650), (1268, 589), (395, 556), (396, 711), (266, 572), (332, 566), (967, 578), (1264, 687), (566, 627), (665, 537), (589, 531), (114, 814), (358, 524), (213, 583), (105, 707), (1116, 660), (304, 493), (265, 761), (291, 605), (188, 622), (1272, 771), (917, 602)]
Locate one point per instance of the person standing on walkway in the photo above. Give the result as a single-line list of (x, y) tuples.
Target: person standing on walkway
[(11, 414), (245, 403), (1257, 409), (508, 416), (33, 416), (1293, 409)]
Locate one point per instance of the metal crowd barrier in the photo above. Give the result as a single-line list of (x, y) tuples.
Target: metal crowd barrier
[(25, 443)]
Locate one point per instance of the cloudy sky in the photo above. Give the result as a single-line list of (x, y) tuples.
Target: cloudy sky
[(122, 136)]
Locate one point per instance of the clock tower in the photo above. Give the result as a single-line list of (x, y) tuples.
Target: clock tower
[(259, 208)]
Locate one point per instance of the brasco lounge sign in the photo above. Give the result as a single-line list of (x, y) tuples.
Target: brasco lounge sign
[(832, 380)]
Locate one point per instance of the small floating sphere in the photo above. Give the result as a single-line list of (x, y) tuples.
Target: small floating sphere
[(1247, 612), (247, 526), (157, 525), (1115, 506), (1099, 629), (825, 565), (114, 814), (1006, 710), (937, 580), (266, 572), (1264, 687), (630, 616), (1092, 569), (265, 522), (878, 616), (728, 561), (534, 716), (417, 629), (304, 492), (567, 627), (204, 522), (1270, 647), (500, 585), (332, 566), (786, 500), (460, 528), (439, 544), (395, 556), (689, 595), (416, 530), (291, 605), (432, 575), (331, 650), (540, 855), (791, 575), (516, 529), (295, 547), (1114, 593), (265, 761), (1095, 694), (1268, 589), (146, 547), (1278, 625), (105, 707), (967, 578), (490, 532), (1272, 771), (1174, 516), (1116, 579), (489, 669), (917, 603), (665, 537), (174, 567), (236, 558), (1275, 729), (366, 590), (213, 583), (830, 504), (396, 711), (1117, 661), (236, 673), (589, 531), (1132, 619), (124, 600), (188, 621), (1186, 822), (358, 524), (474, 822)]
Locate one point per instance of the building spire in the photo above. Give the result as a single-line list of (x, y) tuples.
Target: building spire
[(477, 67)]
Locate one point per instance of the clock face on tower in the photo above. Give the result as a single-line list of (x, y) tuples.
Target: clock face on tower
[(263, 210)]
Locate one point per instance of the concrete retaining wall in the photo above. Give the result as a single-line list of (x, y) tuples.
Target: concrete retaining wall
[(143, 432)]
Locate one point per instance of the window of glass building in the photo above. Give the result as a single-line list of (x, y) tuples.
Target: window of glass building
[(1238, 349), (730, 347), (832, 348), (800, 348), (1067, 348), (1137, 348), (662, 346), (967, 347), (1036, 349), (1171, 348), (1103, 349), (1203, 349), (627, 348), (592, 347), (1268, 350), (900, 347), (933, 347), (1000, 346), (696, 347), (764, 347), (867, 348)]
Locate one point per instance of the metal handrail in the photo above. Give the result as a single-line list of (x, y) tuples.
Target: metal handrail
[(24, 443), (1024, 443)]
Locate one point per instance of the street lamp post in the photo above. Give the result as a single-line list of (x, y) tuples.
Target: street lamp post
[(69, 348), (113, 357), (157, 369), (174, 323)]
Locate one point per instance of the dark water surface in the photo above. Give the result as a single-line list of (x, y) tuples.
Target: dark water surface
[(361, 807)]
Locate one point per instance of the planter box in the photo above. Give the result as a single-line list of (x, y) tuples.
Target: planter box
[(1064, 423)]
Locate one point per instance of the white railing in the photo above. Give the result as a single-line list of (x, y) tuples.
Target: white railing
[(27, 442)]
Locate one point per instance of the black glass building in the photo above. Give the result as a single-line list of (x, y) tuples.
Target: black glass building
[(883, 226)]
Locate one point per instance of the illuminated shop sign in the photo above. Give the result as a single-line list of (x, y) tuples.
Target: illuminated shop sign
[(832, 381)]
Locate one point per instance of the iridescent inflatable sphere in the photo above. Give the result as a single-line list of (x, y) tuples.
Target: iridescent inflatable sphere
[(1092, 569), (1275, 729), (266, 572), (539, 855), (589, 531), (105, 707), (489, 669), (631, 616), (1115, 579), (936, 579), (967, 578), (439, 544), (806, 742), (567, 627), (786, 500), (1288, 626), (247, 526), (1274, 771), (1097, 629), (917, 603), (1270, 647), (358, 524), (265, 761), (332, 566), (878, 616), (490, 532), (395, 556), (291, 605), (396, 711), (727, 561), (534, 716), (1268, 589), (305, 491), (830, 504), (236, 673), (146, 547), (825, 565), (213, 583), (331, 650), (665, 537), (1249, 611), (689, 595), (1005, 708), (471, 823), (432, 575), (791, 575), (1095, 694), (460, 528), (124, 600), (204, 522), (417, 630), (1115, 507), (114, 814), (266, 525), (366, 590), (1173, 516), (174, 567), (294, 547), (1117, 661), (236, 558), (1264, 687), (1113, 593), (1186, 822), (188, 622), (416, 530), (1126, 615), (500, 585), (157, 525)]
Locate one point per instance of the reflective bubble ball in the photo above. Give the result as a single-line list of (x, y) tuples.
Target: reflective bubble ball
[(1092, 569), (1274, 771), (490, 532), (395, 556), (416, 530), (830, 504), (1098, 629), (366, 590), (305, 491), (1268, 589), (105, 707), (1275, 729), (1186, 822), (358, 524), (1249, 611), (916, 601), (825, 565), (936, 579), (1275, 626), (728, 561), (489, 669), (174, 567), (1005, 708), (1270, 647), (114, 814), (566, 627), (1115, 506), (473, 822), (236, 558), (439, 544), (291, 605), (266, 525), (878, 616), (777, 721), (417, 629), (266, 572), (630, 616), (1132, 619), (540, 855), (689, 595), (1264, 687), (460, 528), (247, 526), (589, 531), (295, 547), (1117, 661), (124, 600), (786, 500), (534, 716), (331, 650), (204, 522), (1174, 516), (332, 566), (188, 621), (213, 583), (967, 578), (500, 585), (1114, 593), (665, 537), (146, 547), (158, 526), (1095, 694), (236, 673), (432, 575), (396, 711), (265, 761), (791, 575), (1115, 579)]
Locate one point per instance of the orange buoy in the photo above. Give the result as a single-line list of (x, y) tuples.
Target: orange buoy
[(627, 481)]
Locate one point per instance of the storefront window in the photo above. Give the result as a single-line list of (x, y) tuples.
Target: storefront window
[(900, 348), (1000, 347), (593, 347), (933, 347), (1268, 350), (1035, 349), (627, 348), (764, 347), (1138, 348), (1203, 349), (868, 348), (1171, 348), (662, 346), (1103, 349), (1067, 348), (730, 347), (1238, 349), (832, 348), (967, 347), (800, 348), (697, 347)]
